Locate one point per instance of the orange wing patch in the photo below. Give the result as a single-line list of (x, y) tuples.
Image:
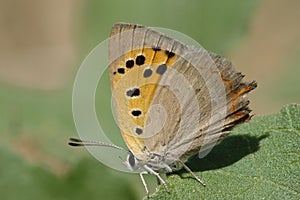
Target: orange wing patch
[(134, 79)]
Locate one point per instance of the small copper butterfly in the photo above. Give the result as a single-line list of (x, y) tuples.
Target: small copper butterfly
[(171, 100)]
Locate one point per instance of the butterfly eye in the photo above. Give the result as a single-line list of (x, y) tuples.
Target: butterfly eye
[(131, 160)]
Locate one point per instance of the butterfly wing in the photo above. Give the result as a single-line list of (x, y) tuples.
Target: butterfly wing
[(172, 99), (220, 96), (209, 99), (132, 51)]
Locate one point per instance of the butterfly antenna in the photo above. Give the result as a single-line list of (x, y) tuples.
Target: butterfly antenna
[(75, 142)]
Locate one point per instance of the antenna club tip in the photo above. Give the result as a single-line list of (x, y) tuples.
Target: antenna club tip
[(73, 144)]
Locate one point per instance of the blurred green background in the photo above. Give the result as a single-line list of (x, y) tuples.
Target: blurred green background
[(42, 44)]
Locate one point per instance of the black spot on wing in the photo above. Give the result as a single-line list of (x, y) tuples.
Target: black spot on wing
[(169, 54), (133, 92), (139, 131), (156, 48), (129, 63), (121, 70), (140, 60), (136, 113), (147, 73), (161, 69)]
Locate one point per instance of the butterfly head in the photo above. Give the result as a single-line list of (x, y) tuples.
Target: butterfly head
[(158, 163), (132, 162)]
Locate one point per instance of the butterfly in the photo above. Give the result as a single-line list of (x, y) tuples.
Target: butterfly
[(171, 100)]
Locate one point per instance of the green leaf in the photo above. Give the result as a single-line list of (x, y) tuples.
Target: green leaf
[(260, 159)]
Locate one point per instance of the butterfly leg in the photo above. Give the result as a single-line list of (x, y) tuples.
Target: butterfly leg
[(191, 172), (158, 181), (151, 171), (144, 183)]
